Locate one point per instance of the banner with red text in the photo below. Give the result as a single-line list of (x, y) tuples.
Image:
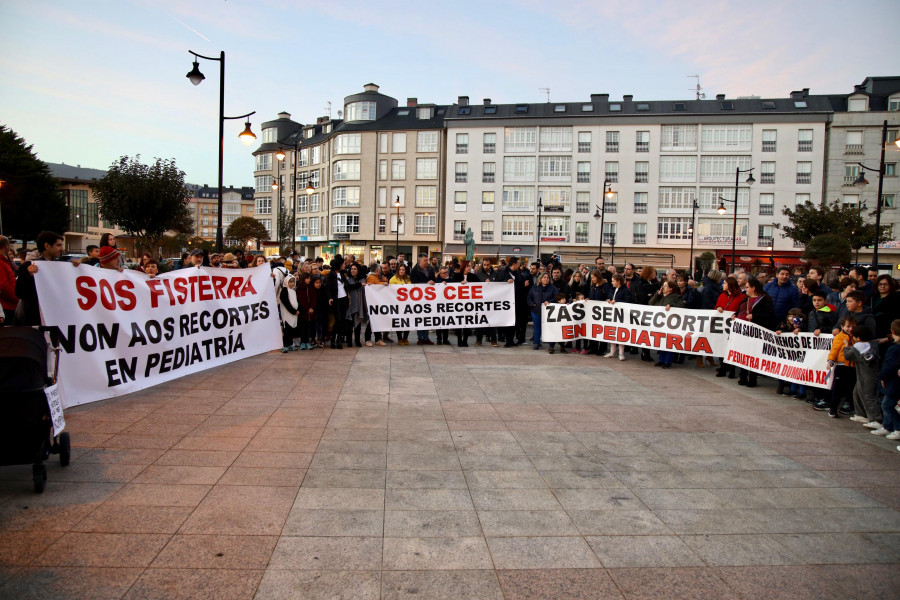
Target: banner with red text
[(799, 358), (440, 306), (703, 332), (123, 332)]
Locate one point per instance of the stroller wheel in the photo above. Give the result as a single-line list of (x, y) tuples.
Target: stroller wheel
[(65, 449), (39, 474)]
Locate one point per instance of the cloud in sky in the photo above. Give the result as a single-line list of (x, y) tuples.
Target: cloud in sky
[(117, 67)]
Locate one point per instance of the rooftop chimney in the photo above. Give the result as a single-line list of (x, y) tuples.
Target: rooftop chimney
[(412, 101), (599, 97), (805, 92), (284, 115), (487, 101), (627, 97), (463, 101), (720, 96), (370, 87)]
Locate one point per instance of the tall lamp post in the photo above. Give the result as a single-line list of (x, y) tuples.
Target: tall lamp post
[(861, 182), (247, 136), (600, 213), (721, 209), (397, 244), (278, 184), (694, 207), (612, 243), (540, 210)]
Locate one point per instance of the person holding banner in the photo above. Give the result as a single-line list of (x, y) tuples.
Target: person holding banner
[(618, 293), (730, 299), (356, 308), (338, 301), (757, 308), (540, 295), (289, 307), (667, 296), (401, 278), (423, 272), (646, 287)]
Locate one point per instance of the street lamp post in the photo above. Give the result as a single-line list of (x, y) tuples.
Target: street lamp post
[(612, 243), (600, 213), (540, 210), (721, 209), (861, 182), (246, 136), (694, 207), (279, 185), (397, 244)]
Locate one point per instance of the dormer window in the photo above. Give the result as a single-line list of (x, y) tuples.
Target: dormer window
[(360, 111), (643, 106), (465, 110), (490, 110), (559, 108), (615, 107), (857, 105), (894, 104), (425, 112)]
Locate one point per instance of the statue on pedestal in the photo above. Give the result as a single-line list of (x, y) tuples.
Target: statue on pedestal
[(470, 244)]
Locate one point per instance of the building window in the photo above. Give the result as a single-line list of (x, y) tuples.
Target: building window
[(316, 154), (398, 143), (520, 139), (270, 135), (857, 105), (553, 197), (487, 231), (851, 173), (584, 172), (767, 204), (555, 168), (709, 200), (642, 141), (302, 203), (427, 141), (854, 143), (894, 104), (714, 169), (851, 200), (267, 223), (459, 201), (612, 141), (489, 143), (264, 206), (639, 233), (488, 172), (581, 232), (462, 172), (426, 168), (345, 223), (641, 172), (890, 169), (383, 170), (344, 197), (426, 223), (314, 226), (462, 143), (556, 139), (302, 226), (304, 157), (360, 111), (584, 141), (382, 223), (487, 201), (263, 183), (767, 172), (804, 172), (609, 233), (640, 202), (555, 227), (611, 202), (612, 172), (676, 199), (677, 169), (459, 231), (673, 228), (678, 138), (398, 169), (726, 138), (765, 236), (263, 162), (346, 170), (347, 143), (582, 202), (887, 201), (712, 231), (518, 168), (769, 140), (805, 140), (426, 196), (383, 143), (517, 198), (314, 203)]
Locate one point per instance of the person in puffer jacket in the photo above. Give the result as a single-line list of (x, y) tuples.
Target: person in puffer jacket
[(543, 293)]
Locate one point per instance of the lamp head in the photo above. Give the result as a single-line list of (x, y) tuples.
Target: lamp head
[(274, 185), (597, 214), (750, 179), (280, 154), (309, 188), (247, 136), (397, 202), (610, 194), (195, 75), (691, 230), (861, 181), (721, 209)]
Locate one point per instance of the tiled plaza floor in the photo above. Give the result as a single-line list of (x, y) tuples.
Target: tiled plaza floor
[(455, 473)]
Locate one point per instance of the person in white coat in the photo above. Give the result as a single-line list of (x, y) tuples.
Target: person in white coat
[(288, 307)]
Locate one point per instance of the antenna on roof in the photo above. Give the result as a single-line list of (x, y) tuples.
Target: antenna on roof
[(698, 91), (546, 91), (328, 108)]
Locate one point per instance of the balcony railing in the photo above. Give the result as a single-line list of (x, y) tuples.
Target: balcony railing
[(610, 207), (462, 148), (487, 178), (584, 178), (765, 242), (766, 209), (490, 148), (768, 146), (640, 238), (582, 207), (799, 244), (612, 177), (804, 178), (767, 178), (641, 177), (804, 146), (609, 238), (853, 149), (487, 236), (584, 146), (640, 209), (612, 146), (458, 237), (462, 177), (642, 147), (581, 238), (849, 179)]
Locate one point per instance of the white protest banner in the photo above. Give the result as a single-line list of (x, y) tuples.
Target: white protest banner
[(56, 410), (440, 306), (703, 332), (123, 332), (797, 358)]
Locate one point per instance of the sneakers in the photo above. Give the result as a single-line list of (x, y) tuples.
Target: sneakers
[(820, 405), (608, 355), (858, 419), (379, 343), (879, 431), (872, 425), (285, 350), (584, 353), (846, 409), (552, 351), (894, 435), (368, 344), (621, 357), (477, 344), (495, 344)]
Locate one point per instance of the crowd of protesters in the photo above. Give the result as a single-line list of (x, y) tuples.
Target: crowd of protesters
[(323, 304)]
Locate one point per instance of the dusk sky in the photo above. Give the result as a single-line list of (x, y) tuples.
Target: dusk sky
[(87, 82)]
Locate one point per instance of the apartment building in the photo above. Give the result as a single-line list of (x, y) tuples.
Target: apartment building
[(204, 207), (369, 184), (655, 158), (854, 137)]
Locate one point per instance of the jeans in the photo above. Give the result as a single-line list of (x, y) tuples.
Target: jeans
[(665, 358), (536, 321), (891, 420), (422, 334)]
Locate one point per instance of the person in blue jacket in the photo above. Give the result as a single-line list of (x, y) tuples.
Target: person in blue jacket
[(543, 293), (890, 380), (783, 293)]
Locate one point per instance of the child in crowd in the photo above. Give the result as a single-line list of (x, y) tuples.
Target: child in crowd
[(864, 353), (322, 312), (581, 344), (890, 381), (563, 346), (151, 268), (795, 321), (844, 374)]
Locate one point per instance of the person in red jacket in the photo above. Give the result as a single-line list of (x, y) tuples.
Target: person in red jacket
[(8, 298), (730, 300)]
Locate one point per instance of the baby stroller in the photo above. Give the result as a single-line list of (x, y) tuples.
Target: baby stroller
[(26, 431)]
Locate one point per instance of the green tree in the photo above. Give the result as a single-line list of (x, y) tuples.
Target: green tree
[(145, 200), (198, 243), (809, 220), (828, 249), (246, 229), (30, 201), (285, 226)]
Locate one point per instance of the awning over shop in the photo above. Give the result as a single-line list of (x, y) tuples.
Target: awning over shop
[(517, 251)]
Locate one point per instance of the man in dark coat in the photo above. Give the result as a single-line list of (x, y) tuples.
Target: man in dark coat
[(423, 272)]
